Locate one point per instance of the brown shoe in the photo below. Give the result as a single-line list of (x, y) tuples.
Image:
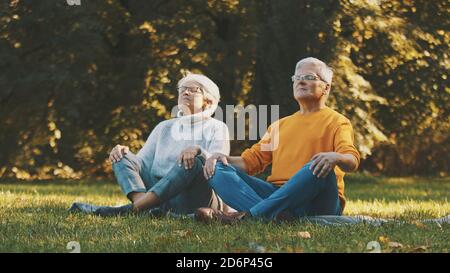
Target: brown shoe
[(284, 216), (208, 215)]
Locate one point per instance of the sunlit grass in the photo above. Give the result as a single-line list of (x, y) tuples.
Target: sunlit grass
[(34, 219)]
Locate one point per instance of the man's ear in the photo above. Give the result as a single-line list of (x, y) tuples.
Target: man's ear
[(326, 90)]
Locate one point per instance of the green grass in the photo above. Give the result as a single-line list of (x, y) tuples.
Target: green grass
[(34, 219)]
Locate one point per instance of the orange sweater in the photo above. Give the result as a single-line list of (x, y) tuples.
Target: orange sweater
[(297, 139)]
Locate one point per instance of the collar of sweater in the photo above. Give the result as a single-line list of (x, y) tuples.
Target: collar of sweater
[(196, 118)]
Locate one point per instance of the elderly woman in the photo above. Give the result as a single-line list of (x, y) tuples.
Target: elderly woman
[(309, 150), (167, 173)]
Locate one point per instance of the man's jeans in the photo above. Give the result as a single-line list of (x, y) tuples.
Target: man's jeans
[(302, 195), (181, 191)]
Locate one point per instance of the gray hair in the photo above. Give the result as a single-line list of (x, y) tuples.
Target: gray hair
[(325, 72), (211, 90)]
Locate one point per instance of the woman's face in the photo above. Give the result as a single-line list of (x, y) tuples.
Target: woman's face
[(190, 98)]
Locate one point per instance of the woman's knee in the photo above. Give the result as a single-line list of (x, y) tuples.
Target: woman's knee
[(199, 161), (128, 161), (196, 167)]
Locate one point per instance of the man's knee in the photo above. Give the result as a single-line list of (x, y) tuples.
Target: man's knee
[(220, 171), (305, 172), (220, 167)]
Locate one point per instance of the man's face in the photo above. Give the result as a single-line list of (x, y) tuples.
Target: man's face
[(309, 88)]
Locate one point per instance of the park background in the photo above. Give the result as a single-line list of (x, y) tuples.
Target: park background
[(75, 80)]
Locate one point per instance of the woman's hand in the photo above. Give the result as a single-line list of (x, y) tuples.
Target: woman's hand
[(187, 157), (210, 164), (117, 153), (324, 163)]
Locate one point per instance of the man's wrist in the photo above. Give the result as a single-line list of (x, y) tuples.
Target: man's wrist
[(339, 158), (345, 162)]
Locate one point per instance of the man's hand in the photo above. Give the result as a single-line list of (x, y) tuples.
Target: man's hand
[(117, 153), (210, 164), (187, 157), (324, 163)]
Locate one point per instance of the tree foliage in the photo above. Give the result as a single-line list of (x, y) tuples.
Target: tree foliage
[(76, 80)]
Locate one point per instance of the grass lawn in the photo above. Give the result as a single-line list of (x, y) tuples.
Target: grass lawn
[(34, 219)]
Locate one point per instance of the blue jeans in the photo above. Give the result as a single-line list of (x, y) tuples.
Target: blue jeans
[(302, 195), (181, 191)]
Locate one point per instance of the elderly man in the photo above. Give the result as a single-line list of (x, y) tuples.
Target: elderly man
[(313, 149)]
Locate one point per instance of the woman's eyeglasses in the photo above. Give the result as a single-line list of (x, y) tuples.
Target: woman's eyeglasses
[(191, 90)]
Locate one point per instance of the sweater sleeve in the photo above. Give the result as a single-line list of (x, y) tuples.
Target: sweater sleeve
[(259, 156), (147, 152), (344, 140), (219, 143)]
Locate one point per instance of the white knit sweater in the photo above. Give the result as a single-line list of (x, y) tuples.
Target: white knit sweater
[(170, 137)]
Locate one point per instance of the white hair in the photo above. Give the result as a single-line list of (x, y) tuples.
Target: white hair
[(325, 72), (211, 90)]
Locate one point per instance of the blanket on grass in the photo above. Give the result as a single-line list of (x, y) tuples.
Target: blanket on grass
[(328, 220)]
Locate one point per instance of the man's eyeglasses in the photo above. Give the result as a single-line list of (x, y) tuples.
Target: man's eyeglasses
[(192, 90), (306, 77)]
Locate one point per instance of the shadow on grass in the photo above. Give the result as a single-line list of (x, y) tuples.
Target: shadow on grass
[(396, 189), (357, 187)]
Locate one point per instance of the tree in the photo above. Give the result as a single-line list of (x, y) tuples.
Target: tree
[(76, 80)]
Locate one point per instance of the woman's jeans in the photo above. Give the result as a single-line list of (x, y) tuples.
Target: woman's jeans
[(181, 191), (302, 195)]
